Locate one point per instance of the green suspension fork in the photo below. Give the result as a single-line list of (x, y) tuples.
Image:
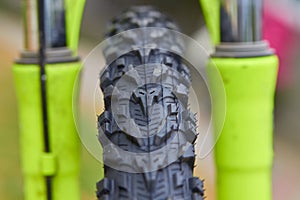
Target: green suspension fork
[(244, 150), (44, 78)]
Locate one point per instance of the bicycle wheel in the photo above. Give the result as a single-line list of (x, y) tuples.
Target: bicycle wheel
[(145, 95)]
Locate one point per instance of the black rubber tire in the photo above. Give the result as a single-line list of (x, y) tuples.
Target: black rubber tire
[(168, 102)]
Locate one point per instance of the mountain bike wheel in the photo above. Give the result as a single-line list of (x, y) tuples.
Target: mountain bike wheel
[(145, 95)]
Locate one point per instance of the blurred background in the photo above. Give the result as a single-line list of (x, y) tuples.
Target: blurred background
[(281, 29)]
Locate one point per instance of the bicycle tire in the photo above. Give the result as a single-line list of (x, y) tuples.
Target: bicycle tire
[(167, 101)]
